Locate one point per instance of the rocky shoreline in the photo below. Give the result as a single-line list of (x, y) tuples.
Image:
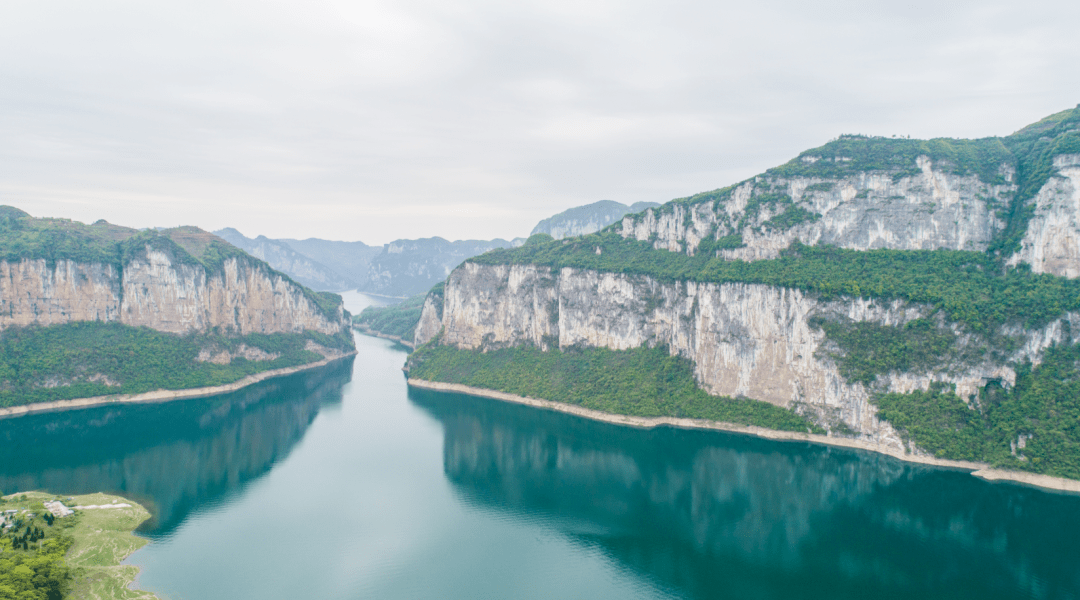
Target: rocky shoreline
[(162, 395), (981, 470)]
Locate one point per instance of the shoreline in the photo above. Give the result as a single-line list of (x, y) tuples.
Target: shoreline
[(373, 333), (157, 396), (103, 540), (981, 470)]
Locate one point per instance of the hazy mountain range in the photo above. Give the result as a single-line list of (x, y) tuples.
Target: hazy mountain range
[(583, 220), (405, 267)]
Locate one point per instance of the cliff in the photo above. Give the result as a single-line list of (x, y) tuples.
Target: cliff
[(100, 309), (885, 289), (158, 285)]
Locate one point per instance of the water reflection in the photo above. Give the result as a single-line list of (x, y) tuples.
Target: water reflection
[(174, 456), (709, 514)]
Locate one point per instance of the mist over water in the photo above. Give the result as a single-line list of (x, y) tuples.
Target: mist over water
[(342, 483)]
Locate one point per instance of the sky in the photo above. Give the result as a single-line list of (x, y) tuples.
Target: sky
[(474, 119)]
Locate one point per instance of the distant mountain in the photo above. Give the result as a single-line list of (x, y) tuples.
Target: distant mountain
[(302, 268), (405, 267), (587, 219), (400, 268), (408, 267), (350, 260)]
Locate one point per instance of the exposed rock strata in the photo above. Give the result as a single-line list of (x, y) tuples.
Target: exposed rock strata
[(1051, 243)]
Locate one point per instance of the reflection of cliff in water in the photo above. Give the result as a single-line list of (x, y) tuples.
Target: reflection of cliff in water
[(712, 514), (177, 455)]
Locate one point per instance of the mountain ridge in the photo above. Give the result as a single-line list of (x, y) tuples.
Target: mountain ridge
[(917, 294)]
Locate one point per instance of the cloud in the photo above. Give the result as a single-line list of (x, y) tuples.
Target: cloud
[(379, 120)]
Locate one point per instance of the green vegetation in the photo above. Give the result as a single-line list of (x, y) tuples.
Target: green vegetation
[(967, 287), (86, 359), (401, 319), (32, 551), (397, 319), (851, 154), (871, 349), (645, 382), (938, 421), (77, 556), (1043, 407)]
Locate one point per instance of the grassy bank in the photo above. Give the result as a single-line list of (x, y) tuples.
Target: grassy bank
[(77, 556), (645, 382)]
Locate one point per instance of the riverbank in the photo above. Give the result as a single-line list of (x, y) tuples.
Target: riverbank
[(373, 333), (100, 541), (981, 470), (163, 395)]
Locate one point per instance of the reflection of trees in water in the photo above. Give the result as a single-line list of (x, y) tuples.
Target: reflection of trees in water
[(715, 514), (176, 456)]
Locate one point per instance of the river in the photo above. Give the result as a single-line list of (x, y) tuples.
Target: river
[(343, 484)]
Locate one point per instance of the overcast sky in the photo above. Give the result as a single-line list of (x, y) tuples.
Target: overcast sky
[(394, 119)]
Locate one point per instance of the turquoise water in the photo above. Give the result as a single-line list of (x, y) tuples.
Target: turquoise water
[(344, 484)]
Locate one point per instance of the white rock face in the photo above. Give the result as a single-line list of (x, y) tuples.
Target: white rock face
[(430, 323), (1052, 241), (746, 340), (931, 210), (157, 291), (33, 293)]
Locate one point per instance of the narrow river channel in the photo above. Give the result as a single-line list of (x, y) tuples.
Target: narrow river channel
[(343, 484)]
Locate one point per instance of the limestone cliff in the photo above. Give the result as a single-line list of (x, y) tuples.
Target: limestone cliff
[(178, 281), (1051, 243), (244, 297), (745, 340), (934, 208)]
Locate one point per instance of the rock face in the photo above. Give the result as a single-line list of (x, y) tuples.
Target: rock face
[(1052, 241), (926, 211), (33, 293), (158, 290), (745, 340), (767, 342)]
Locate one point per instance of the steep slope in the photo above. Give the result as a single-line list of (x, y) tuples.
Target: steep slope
[(909, 293), (102, 309), (587, 219)]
